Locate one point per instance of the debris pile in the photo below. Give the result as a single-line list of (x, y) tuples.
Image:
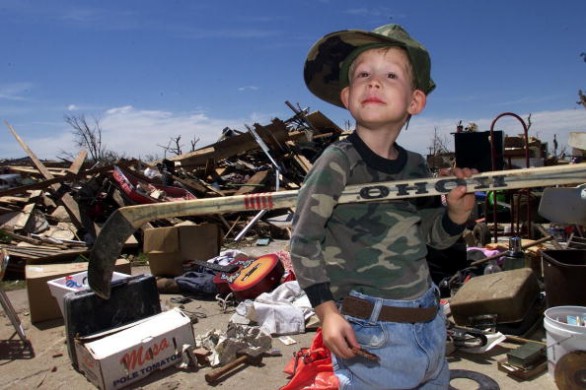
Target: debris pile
[(53, 211)]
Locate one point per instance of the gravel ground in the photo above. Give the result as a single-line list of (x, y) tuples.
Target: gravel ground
[(47, 365)]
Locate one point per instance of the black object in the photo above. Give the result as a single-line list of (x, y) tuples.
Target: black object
[(564, 273), (445, 263), (217, 267), (527, 355), (522, 327), (85, 313), (466, 337), (514, 258), (473, 150), (484, 382), (197, 283)]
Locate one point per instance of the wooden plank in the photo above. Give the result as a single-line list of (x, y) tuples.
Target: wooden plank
[(66, 199), (78, 162), (228, 147), (24, 216), (57, 179), (33, 171), (322, 123), (195, 186), (14, 199), (302, 162), (275, 136), (252, 183)]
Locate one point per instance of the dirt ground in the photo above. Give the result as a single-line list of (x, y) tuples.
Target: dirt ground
[(46, 364)]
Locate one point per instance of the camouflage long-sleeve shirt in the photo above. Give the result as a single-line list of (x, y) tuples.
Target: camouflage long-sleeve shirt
[(377, 248)]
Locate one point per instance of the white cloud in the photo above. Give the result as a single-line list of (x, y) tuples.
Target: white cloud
[(248, 88), (72, 107), (50, 146), (14, 91), (136, 132)]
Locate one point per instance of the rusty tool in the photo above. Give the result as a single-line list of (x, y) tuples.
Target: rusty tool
[(365, 354), (250, 355)]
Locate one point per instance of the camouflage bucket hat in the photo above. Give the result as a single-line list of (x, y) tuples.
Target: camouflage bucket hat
[(327, 63)]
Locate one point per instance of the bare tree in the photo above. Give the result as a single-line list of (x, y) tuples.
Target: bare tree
[(439, 144), (175, 147), (149, 158), (439, 155), (581, 95), (193, 143), (89, 136)]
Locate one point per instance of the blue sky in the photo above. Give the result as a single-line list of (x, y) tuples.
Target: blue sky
[(152, 70)]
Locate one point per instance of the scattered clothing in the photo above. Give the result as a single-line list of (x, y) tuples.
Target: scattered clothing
[(281, 311), (196, 283)]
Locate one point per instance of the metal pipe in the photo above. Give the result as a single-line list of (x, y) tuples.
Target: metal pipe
[(493, 163)]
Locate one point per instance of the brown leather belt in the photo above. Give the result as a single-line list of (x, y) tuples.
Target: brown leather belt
[(360, 308)]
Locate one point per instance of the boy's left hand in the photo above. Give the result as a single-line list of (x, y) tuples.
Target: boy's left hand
[(460, 203)]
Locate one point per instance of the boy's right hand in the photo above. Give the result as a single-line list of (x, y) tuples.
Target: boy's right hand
[(337, 333)]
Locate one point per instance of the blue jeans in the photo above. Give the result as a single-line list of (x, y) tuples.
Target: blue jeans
[(412, 356)]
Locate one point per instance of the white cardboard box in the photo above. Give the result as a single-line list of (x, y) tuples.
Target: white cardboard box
[(117, 358), (42, 305), (73, 283)]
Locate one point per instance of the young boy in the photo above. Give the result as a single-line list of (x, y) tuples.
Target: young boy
[(363, 265)]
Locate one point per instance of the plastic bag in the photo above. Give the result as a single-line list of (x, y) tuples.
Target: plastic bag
[(311, 368)]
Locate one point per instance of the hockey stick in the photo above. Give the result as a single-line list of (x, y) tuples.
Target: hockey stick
[(123, 222)]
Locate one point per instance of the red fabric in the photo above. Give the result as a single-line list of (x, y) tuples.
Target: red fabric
[(311, 368)]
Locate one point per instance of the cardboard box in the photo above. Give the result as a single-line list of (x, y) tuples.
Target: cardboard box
[(132, 299), (73, 283), (115, 359), (169, 247), (42, 305)]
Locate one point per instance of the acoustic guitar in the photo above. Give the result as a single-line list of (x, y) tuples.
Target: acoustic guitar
[(247, 278)]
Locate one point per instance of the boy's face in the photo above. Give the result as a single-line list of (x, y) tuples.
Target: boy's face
[(381, 92)]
